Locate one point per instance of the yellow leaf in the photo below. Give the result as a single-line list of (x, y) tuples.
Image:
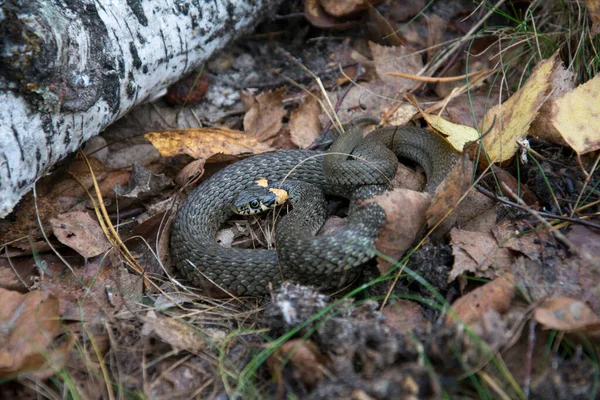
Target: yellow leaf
[(457, 135), (203, 143), (578, 117), (510, 121)]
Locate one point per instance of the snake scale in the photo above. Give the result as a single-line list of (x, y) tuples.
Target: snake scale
[(326, 261)]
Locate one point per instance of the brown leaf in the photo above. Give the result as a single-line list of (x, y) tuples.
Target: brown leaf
[(495, 295), (264, 114), (516, 187), (566, 314), (405, 219), (396, 59), (80, 232), (310, 366), (450, 191), (304, 123), (30, 323), (203, 143), (190, 173), (95, 290), (594, 9), (142, 184), (188, 90), (315, 14), (587, 242), (338, 8), (478, 253), (512, 237), (176, 333), (404, 316)]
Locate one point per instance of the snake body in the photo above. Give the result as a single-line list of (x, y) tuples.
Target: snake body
[(327, 261)]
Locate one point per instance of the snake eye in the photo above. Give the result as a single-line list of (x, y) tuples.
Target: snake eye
[(254, 204)]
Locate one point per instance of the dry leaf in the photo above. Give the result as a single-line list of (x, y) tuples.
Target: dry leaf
[(509, 122), (30, 322), (456, 135), (495, 295), (530, 244), (315, 14), (142, 184), (404, 316), (450, 191), (174, 332), (566, 314), (264, 114), (190, 173), (515, 186), (95, 290), (562, 81), (80, 232), (338, 8), (396, 59), (310, 366), (577, 117), (203, 143), (304, 123), (594, 9), (405, 219), (478, 253)]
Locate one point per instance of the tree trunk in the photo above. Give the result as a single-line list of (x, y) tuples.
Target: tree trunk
[(70, 68)]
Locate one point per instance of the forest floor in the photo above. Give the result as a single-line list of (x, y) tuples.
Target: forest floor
[(487, 289)]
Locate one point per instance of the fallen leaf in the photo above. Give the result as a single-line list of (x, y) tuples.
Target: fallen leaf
[(338, 8), (304, 123), (404, 316), (380, 27), (190, 173), (566, 314), (520, 239), (188, 90), (495, 295), (142, 184), (310, 366), (396, 59), (467, 109), (95, 290), (30, 322), (551, 276), (264, 114), (577, 117), (177, 334), (450, 191), (456, 135), (202, 143), (515, 186), (594, 9), (509, 122), (80, 232), (587, 242), (405, 219), (315, 14), (562, 81), (478, 253)]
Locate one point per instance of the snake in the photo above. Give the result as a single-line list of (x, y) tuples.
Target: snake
[(328, 262)]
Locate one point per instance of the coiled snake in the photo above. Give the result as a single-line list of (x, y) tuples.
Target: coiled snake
[(327, 261)]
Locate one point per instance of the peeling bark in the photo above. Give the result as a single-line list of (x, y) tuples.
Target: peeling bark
[(70, 68)]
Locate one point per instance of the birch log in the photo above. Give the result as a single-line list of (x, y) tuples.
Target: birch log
[(69, 68)]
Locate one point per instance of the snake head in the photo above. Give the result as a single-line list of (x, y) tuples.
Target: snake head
[(258, 199)]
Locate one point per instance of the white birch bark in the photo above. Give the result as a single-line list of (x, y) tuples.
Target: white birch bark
[(69, 68)]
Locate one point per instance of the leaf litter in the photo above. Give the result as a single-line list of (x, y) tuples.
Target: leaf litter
[(507, 270)]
